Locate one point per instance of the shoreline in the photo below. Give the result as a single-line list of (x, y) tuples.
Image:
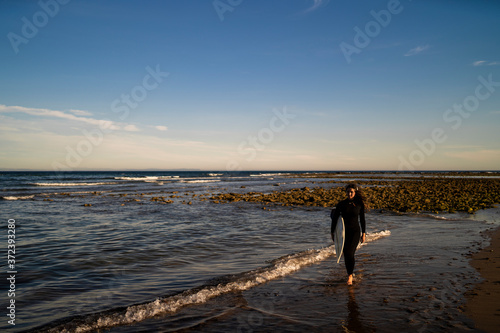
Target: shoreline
[(482, 304)]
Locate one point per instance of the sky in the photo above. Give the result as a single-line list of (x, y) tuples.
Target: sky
[(249, 85)]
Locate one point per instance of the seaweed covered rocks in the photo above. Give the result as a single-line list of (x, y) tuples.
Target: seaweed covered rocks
[(418, 195)]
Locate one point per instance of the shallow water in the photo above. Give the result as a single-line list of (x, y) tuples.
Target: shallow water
[(402, 284), (131, 264)]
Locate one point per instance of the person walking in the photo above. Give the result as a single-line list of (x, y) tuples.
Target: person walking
[(352, 210)]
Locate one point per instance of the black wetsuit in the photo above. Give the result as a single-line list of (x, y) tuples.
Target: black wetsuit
[(351, 212)]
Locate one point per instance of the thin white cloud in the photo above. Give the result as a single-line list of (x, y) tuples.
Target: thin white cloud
[(417, 50), (61, 115), (53, 113), (161, 128), (131, 128), (80, 112), (316, 5), (25, 143), (485, 63)]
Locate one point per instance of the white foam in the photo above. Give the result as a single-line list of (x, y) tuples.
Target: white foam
[(269, 174), (201, 181), (440, 217), (21, 197), (437, 217), (145, 178), (70, 184), (280, 268), (375, 236)]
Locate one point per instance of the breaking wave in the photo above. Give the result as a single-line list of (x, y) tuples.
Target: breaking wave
[(21, 197), (136, 313), (201, 181), (147, 178), (71, 184)]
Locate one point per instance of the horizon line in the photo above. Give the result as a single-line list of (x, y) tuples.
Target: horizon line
[(256, 170)]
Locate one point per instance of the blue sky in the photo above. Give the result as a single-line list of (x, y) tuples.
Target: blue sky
[(250, 85)]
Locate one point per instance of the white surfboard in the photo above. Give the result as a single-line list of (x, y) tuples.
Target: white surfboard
[(339, 238)]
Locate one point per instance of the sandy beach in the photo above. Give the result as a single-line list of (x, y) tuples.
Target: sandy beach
[(483, 305)]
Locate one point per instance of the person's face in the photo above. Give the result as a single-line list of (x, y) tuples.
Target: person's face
[(350, 193)]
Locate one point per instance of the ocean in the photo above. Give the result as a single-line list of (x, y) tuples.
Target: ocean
[(149, 251)]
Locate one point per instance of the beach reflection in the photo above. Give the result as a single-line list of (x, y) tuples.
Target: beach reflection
[(353, 323)]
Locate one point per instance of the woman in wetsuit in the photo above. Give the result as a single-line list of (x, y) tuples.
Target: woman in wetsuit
[(352, 211)]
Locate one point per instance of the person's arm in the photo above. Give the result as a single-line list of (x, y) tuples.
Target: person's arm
[(363, 223), (335, 217)]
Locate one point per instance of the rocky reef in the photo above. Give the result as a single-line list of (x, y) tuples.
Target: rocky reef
[(421, 194)]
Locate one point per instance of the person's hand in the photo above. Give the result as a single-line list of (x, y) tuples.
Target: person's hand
[(363, 237)]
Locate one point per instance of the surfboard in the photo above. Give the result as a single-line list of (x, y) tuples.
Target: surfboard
[(339, 238)]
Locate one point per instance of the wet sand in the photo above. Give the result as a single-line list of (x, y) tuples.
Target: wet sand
[(483, 302)]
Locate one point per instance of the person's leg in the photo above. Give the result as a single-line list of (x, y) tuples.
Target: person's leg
[(350, 245)]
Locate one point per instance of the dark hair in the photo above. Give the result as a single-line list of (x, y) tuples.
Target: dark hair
[(359, 196)]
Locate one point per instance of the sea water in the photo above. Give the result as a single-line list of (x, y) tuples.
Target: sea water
[(104, 250)]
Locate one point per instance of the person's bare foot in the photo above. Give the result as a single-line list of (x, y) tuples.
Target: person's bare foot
[(349, 280)]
